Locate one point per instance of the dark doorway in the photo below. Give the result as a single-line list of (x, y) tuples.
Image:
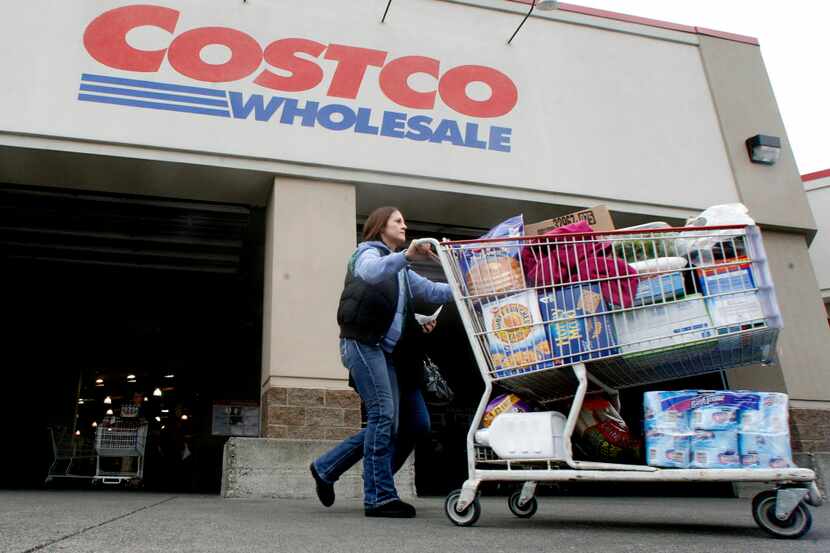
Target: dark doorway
[(110, 299)]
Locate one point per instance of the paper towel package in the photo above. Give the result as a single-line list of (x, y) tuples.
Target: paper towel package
[(728, 429), (668, 411), (770, 414), (669, 450), (765, 450), (715, 449)]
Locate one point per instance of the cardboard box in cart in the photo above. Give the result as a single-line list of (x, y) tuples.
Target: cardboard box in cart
[(598, 217), (730, 307), (664, 325)]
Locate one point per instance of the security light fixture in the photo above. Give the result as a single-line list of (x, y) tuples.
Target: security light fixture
[(544, 5), (764, 149)]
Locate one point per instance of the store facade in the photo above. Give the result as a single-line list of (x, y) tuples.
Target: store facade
[(305, 119)]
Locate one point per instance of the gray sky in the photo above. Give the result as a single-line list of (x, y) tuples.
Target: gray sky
[(795, 48)]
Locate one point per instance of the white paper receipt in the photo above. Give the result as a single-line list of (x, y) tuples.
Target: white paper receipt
[(424, 319)]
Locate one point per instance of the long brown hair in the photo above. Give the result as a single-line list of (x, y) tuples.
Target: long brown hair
[(376, 222)]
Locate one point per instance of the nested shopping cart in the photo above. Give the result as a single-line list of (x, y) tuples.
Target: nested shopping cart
[(120, 442), (586, 285)]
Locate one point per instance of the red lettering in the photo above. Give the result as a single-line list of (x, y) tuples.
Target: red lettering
[(305, 74), (394, 81), (105, 38), (453, 90), (351, 67), (246, 54)]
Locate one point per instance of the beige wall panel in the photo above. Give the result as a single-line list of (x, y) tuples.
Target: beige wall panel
[(818, 194), (310, 235), (804, 345), (746, 106)]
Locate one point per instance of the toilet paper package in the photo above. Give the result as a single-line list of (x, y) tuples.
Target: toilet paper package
[(668, 411), (715, 449), (719, 410), (670, 450), (759, 450), (769, 414)]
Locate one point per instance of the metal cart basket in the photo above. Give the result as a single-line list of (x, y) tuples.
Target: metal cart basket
[(526, 301), (123, 438)]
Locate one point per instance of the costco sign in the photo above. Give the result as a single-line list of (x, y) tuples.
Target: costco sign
[(290, 65)]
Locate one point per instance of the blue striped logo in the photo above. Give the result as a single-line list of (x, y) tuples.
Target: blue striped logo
[(153, 95)]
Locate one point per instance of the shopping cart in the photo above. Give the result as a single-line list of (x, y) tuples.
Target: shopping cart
[(120, 443), (583, 285), (72, 454)]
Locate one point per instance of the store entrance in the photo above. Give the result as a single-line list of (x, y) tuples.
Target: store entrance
[(137, 315)]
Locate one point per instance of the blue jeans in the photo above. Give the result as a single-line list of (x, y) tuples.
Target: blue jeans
[(394, 420)]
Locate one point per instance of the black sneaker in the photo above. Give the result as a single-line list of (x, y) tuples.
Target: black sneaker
[(325, 491), (393, 509)]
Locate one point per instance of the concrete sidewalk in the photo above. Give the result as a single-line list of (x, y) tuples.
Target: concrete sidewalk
[(120, 521)]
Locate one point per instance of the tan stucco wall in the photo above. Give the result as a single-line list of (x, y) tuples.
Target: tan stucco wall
[(309, 237), (746, 106), (818, 194), (804, 343)]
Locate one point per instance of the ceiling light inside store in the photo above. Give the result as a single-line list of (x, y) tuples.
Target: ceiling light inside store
[(109, 411), (80, 402), (170, 376), (99, 380), (163, 427), (108, 400), (184, 417), (130, 377), (146, 398), (157, 392), (165, 410), (94, 424), (77, 432), (158, 419)]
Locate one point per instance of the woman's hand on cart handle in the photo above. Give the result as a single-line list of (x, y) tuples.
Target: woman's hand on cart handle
[(420, 250)]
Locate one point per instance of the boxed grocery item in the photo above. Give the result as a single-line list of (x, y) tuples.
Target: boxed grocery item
[(503, 403), (577, 323), (599, 218), (735, 309), (495, 268), (515, 334), (665, 287), (663, 325)]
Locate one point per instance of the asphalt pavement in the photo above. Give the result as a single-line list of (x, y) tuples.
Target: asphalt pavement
[(133, 521)]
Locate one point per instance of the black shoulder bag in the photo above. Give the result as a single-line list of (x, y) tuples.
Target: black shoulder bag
[(436, 390)]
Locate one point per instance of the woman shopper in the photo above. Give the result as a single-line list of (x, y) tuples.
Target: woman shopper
[(375, 312)]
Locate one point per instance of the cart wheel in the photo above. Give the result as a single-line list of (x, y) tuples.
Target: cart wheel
[(526, 511), (468, 516), (763, 511)]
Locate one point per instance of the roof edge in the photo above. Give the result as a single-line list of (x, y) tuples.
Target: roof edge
[(584, 10), (816, 175)]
